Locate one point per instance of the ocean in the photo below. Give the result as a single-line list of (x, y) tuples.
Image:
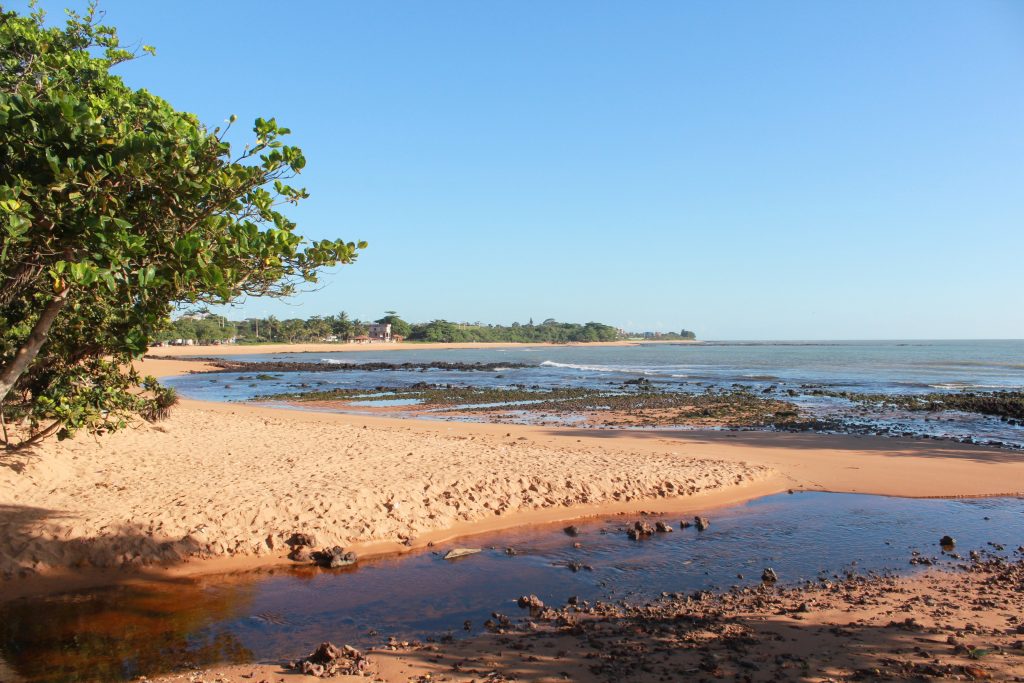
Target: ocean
[(793, 368)]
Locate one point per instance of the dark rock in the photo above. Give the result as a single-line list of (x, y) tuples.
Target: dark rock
[(947, 541), (572, 530), (640, 530), (333, 558), (702, 523), (299, 538), (769, 575), (300, 554), (531, 601), (662, 527)]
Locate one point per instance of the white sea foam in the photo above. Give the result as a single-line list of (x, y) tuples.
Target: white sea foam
[(949, 386), (621, 369), (592, 368)]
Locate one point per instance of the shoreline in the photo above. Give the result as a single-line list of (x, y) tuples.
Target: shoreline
[(345, 347), (764, 463)]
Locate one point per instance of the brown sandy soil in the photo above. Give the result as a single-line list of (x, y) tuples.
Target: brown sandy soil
[(231, 482), (963, 624)]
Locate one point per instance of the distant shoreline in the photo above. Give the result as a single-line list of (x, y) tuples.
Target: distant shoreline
[(342, 347)]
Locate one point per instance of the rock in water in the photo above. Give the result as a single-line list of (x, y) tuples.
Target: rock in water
[(333, 558), (947, 541), (662, 527), (769, 575), (572, 530), (640, 530), (531, 601), (702, 523), (455, 553)]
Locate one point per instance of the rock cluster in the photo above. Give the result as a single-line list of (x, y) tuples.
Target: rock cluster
[(331, 660), (531, 601)]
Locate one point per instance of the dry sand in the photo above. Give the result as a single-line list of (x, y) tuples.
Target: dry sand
[(233, 481)]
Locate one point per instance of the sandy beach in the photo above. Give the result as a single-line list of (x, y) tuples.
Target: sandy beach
[(221, 486)]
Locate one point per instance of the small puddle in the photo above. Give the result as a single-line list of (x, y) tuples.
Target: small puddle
[(386, 402), (123, 632)]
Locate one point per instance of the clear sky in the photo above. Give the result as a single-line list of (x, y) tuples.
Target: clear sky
[(754, 170)]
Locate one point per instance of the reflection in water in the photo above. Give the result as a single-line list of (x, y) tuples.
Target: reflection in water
[(122, 632), (154, 626)]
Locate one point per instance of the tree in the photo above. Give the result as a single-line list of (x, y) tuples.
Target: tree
[(317, 328), (342, 326), (113, 208)]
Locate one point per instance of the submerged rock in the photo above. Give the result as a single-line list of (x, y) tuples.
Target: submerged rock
[(456, 553), (572, 530)]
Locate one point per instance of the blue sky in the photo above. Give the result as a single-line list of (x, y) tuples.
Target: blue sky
[(751, 170)]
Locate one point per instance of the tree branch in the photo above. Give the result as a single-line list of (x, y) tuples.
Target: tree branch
[(10, 373)]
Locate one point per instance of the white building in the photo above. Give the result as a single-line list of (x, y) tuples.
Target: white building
[(379, 332)]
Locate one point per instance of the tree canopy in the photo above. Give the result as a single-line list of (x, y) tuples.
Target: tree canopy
[(115, 207)]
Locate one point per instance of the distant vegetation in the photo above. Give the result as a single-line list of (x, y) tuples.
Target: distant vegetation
[(209, 328), (215, 328)]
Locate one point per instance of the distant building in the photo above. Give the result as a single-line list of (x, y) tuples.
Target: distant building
[(379, 332)]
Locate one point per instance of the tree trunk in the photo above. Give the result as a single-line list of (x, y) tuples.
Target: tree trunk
[(10, 373)]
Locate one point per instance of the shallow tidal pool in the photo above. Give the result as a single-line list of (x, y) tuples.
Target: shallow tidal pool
[(155, 626)]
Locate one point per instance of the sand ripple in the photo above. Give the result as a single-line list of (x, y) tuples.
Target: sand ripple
[(211, 482)]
